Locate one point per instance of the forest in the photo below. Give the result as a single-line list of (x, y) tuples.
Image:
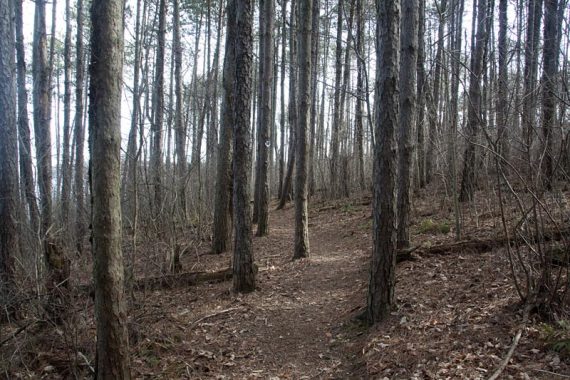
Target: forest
[(285, 189)]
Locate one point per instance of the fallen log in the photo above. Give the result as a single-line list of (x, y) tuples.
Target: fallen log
[(170, 281), (178, 280), (486, 245)]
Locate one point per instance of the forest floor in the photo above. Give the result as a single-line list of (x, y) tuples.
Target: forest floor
[(457, 312)]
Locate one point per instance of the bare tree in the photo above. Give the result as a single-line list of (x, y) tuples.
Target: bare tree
[(105, 147)]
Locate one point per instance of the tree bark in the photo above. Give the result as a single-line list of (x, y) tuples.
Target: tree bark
[(42, 107), (158, 105), (282, 118), (179, 125), (301, 178), (292, 108), (360, 94), (502, 95), (408, 71), (243, 267), (530, 73), (421, 97), (265, 113), (434, 109), (380, 299), (474, 110), (222, 231), (335, 133), (25, 151), (549, 87), (79, 134), (105, 146), (9, 243), (66, 155)]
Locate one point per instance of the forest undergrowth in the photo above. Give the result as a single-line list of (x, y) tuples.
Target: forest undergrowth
[(457, 310)]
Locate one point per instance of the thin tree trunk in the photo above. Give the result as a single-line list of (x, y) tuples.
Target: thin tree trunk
[(179, 125), (222, 231), (335, 133), (549, 87), (433, 115), (474, 110), (315, 45), (530, 73), (293, 111), (359, 122), (282, 118), (25, 151), (265, 112), (66, 163), (302, 148), (502, 95), (421, 90), (408, 69), (79, 134), (158, 106)]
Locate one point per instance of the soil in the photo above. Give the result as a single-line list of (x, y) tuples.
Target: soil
[(457, 313)]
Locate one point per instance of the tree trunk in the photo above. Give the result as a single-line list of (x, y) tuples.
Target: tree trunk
[(360, 94), (222, 231), (549, 87), (265, 112), (380, 299), (25, 151), (66, 163), (301, 178), (243, 267), (112, 361), (502, 95), (530, 73), (434, 109), (335, 133), (421, 90), (292, 111), (408, 69), (282, 118), (9, 244), (158, 105), (315, 45), (79, 134), (179, 125), (42, 116), (474, 110)]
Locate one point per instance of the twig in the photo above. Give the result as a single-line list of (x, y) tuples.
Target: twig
[(514, 345), (201, 319), (86, 361), (17, 332)]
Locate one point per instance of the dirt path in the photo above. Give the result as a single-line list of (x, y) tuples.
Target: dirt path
[(295, 326)]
